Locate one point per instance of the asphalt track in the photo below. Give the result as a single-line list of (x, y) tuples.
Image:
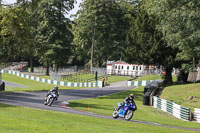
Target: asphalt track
[(35, 100)]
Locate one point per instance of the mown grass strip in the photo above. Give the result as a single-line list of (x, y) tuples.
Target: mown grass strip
[(104, 105), (27, 120), (31, 84)]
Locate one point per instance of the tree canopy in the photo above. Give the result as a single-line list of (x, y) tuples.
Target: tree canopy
[(163, 33)]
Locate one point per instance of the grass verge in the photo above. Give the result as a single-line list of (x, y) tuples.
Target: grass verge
[(31, 85), (111, 79), (104, 105), (154, 77), (181, 94), (27, 120)]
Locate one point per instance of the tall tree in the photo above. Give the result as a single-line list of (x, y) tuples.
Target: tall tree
[(54, 35), (180, 26), (100, 28), (31, 8), (146, 43), (14, 32)]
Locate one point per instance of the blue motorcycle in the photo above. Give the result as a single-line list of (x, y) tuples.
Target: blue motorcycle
[(125, 111)]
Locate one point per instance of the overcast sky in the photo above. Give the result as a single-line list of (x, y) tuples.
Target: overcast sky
[(71, 12)]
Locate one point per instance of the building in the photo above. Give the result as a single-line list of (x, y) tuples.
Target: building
[(123, 68)]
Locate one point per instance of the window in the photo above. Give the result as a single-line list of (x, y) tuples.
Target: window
[(127, 67), (122, 67), (116, 67), (136, 67), (140, 68), (119, 67), (133, 67)]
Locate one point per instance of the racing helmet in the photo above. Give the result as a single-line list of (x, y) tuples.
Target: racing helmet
[(56, 87), (132, 96)]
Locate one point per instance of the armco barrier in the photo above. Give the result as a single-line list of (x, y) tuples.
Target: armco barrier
[(139, 83), (172, 108), (55, 82), (197, 115)]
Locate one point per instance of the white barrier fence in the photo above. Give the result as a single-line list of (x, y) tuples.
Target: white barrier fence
[(172, 108), (139, 83), (197, 115), (55, 82)]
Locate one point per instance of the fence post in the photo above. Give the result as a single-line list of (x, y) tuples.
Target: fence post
[(191, 115)]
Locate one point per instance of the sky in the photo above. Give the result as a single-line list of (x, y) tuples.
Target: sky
[(73, 11)]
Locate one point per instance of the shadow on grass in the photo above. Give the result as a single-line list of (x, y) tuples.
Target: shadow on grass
[(5, 105), (122, 95), (86, 106)]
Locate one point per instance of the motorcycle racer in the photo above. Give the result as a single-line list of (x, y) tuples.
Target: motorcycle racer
[(127, 100), (55, 91)]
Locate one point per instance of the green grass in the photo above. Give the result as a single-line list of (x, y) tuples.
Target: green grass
[(180, 94), (35, 85), (111, 79), (27, 120), (153, 77), (74, 77), (20, 119), (148, 77), (31, 84), (104, 105)]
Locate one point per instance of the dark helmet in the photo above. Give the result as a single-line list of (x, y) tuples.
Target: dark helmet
[(56, 87), (132, 96)]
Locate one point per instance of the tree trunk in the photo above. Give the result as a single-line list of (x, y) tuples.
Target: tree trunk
[(168, 76), (47, 70), (56, 68), (31, 63)]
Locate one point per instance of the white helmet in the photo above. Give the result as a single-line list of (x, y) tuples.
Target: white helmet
[(56, 87), (132, 96)]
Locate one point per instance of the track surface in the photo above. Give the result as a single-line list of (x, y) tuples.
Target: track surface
[(35, 100)]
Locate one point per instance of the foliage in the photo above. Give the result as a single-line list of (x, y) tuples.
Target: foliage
[(164, 33), (100, 24), (146, 44), (54, 35), (179, 25), (14, 32)]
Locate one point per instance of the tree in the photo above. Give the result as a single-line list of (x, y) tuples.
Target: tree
[(146, 44), (14, 32), (31, 18), (54, 36), (180, 25), (100, 29)]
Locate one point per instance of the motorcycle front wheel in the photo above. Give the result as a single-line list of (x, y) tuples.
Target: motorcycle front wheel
[(45, 101), (51, 100), (129, 115), (115, 115)]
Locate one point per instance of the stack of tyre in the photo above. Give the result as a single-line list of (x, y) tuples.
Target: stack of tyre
[(148, 89), (2, 86)]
